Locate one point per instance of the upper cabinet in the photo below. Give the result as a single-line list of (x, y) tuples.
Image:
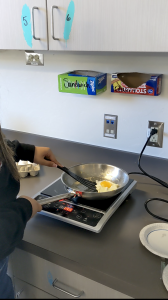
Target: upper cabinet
[(84, 25), (23, 24), (108, 25)]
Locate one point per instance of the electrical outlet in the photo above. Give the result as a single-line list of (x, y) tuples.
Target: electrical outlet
[(157, 139), (110, 126), (34, 59)]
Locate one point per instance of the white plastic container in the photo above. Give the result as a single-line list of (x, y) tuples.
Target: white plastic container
[(26, 167)]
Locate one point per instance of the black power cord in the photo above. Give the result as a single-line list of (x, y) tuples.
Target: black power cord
[(161, 182)]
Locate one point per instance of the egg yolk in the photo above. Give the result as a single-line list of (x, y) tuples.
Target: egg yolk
[(106, 184)]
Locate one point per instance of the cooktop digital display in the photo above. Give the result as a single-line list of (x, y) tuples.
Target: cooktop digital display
[(73, 212)]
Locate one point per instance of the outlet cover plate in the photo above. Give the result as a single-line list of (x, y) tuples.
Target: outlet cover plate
[(34, 59), (110, 126), (157, 139)]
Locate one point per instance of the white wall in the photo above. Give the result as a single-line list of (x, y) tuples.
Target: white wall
[(30, 101)]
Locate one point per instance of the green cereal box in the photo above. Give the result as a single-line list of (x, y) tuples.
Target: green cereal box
[(82, 82)]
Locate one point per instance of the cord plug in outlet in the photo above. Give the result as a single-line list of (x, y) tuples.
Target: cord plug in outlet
[(156, 140), (154, 137)]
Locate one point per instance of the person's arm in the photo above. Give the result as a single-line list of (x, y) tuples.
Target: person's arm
[(33, 154), (13, 219), (22, 151)]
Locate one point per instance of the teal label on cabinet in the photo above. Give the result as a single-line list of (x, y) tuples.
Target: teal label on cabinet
[(26, 25), (50, 278), (69, 20)]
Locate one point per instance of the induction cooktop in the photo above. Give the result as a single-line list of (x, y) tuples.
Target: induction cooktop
[(59, 203)]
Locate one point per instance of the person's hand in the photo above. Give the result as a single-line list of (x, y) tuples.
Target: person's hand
[(44, 152), (36, 207)]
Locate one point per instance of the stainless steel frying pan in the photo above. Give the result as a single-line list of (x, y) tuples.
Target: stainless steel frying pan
[(95, 172)]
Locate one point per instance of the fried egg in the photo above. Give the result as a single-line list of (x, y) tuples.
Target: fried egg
[(105, 186)]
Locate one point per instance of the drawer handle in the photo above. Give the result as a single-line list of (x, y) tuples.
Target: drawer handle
[(33, 23), (66, 292), (52, 21), (18, 294)]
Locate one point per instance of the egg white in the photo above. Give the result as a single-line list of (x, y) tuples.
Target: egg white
[(102, 189)]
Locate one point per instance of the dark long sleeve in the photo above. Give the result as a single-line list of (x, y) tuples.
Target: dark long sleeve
[(14, 212), (13, 220), (22, 151)]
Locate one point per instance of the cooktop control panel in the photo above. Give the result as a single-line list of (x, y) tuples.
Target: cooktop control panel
[(70, 211)]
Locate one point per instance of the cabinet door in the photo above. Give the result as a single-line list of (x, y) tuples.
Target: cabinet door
[(56, 280), (23, 290), (23, 24), (108, 25)]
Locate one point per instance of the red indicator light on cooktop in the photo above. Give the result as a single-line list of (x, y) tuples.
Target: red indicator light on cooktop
[(68, 209)]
